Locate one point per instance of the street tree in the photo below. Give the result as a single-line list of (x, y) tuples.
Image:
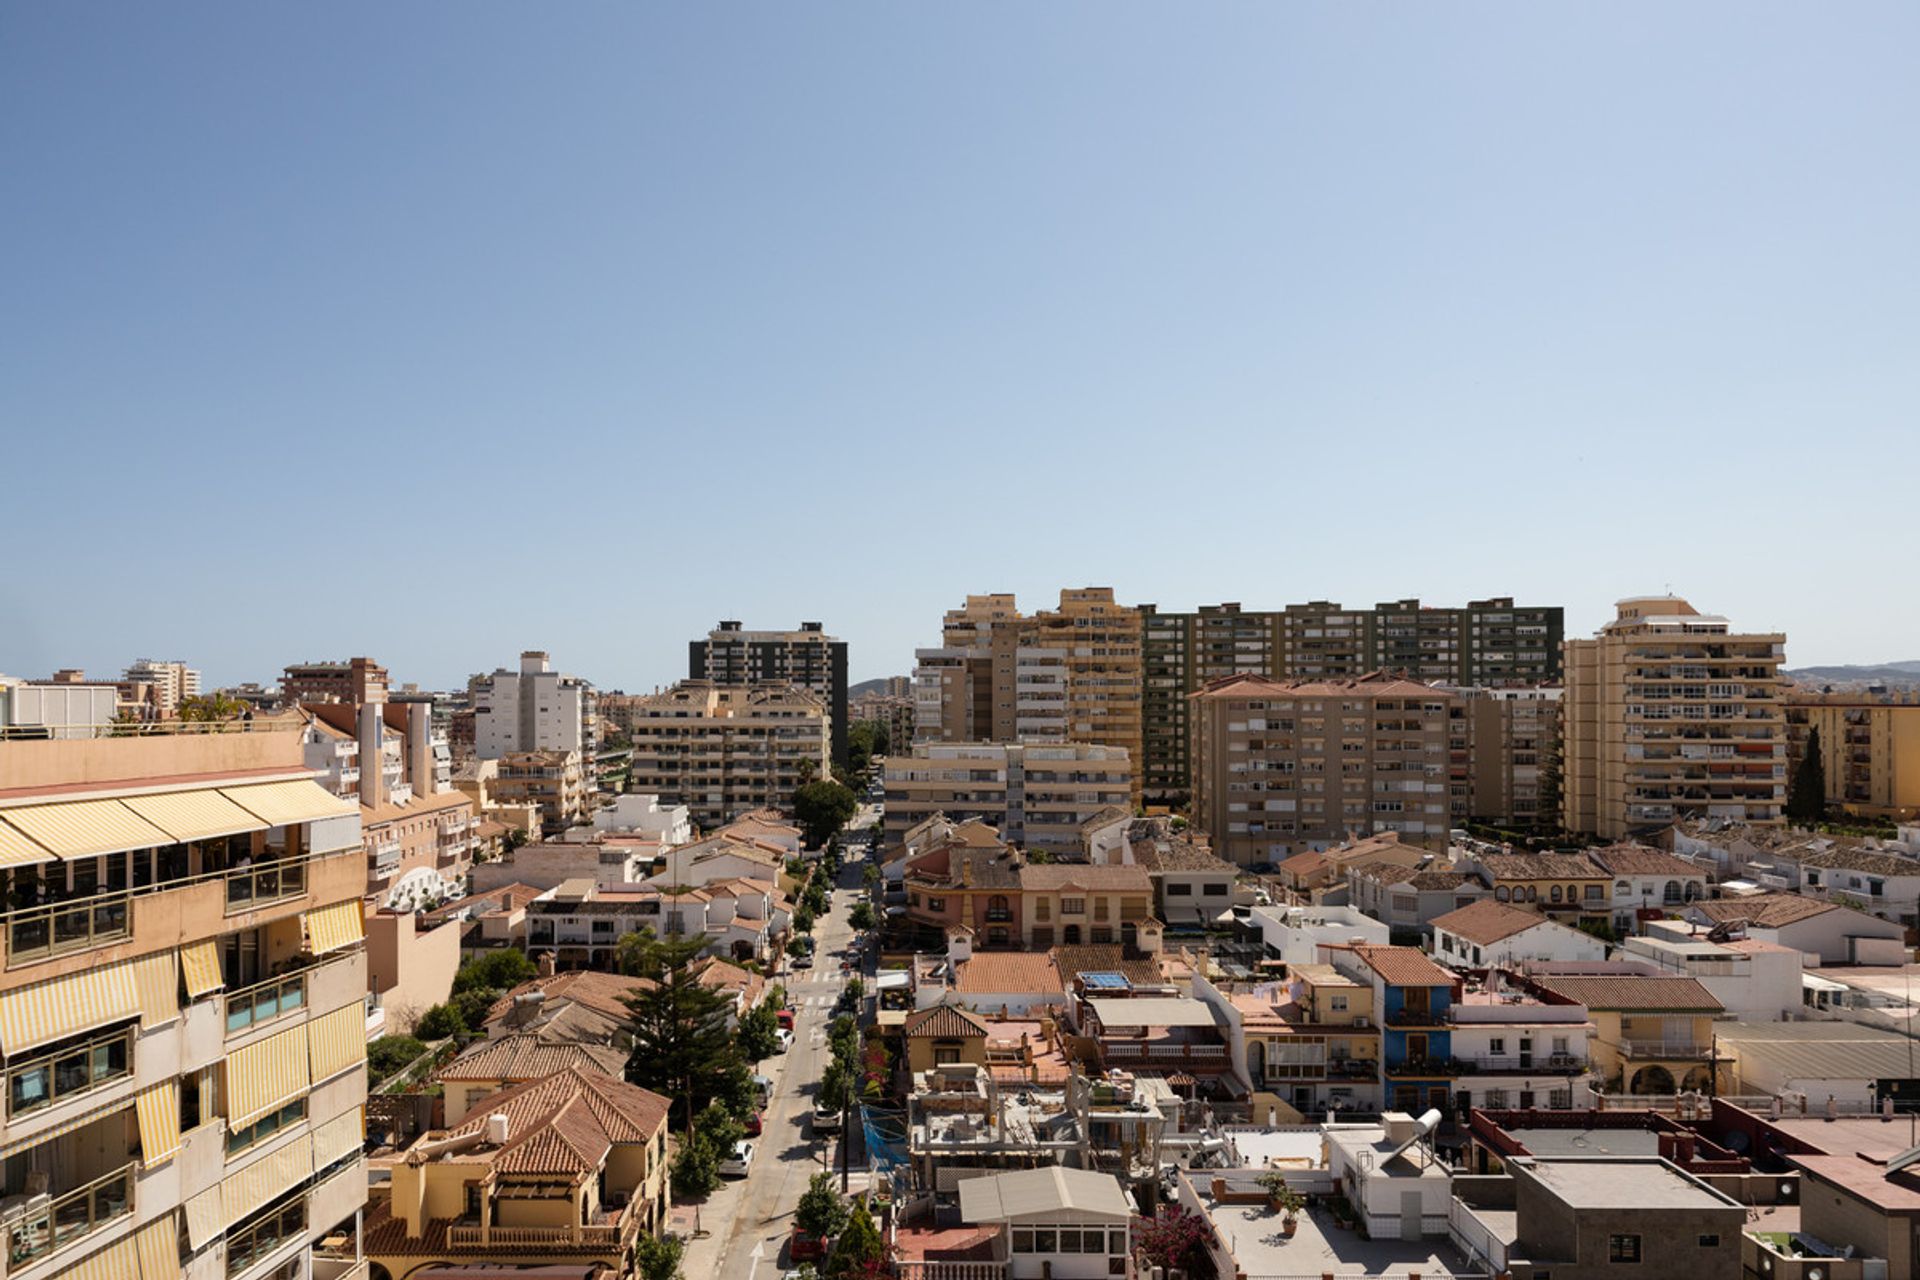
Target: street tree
[(822, 808), (858, 1248), (682, 1047), (822, 1211)]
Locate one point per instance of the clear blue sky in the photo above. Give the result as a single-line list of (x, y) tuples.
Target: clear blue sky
[(435, 332)]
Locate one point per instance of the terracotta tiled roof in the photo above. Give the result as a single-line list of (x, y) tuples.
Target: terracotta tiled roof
[(1059, 877), (1104, 957), (1487, 922), (1639, 860), (1442, 880), (1377, 684), (563, 1124), (944, 1021), (1404, 966), (526, 1057), (1541, 866), (1635, 992), (1767, 910), (1853, 857), (1007, 973), (602, 992)]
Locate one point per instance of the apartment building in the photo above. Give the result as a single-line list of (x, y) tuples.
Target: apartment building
[(161, 685), (534, 709), (1671, 715), (1287, 766), (723, 750), (1869, 747), (554, 782), (182, 1009), (1069, 674), (1501, 750), (354, 681), (1486, 644), (1036, 794), (808, 659), (1651, 1034), (895, 711)]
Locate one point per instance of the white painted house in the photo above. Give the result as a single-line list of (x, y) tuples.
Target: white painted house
[(1493, 935), (1055, 1223), (1647, 879), (1757, 981), (1295, 934), (1511, 1050)]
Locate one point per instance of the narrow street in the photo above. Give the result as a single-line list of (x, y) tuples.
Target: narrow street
[(748, 1221)]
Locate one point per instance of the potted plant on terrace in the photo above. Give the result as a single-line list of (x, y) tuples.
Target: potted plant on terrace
[(1283, 1199)]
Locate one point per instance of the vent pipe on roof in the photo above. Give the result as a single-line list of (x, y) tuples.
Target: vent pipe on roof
[(497, 1128)]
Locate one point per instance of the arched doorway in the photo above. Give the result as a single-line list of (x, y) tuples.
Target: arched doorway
[(1654, 1079), (1698, 1080), (1256, 1061)]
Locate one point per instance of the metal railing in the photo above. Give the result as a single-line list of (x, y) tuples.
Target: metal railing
[(265, 1001), (68, 1073), (149, 729), (254, 1241), (70, 1217)]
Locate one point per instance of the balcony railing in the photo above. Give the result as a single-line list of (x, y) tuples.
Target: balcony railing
[(70, 1217), (1416, 1018), (266, 883), (1679, 1049), (68, 1073), (253, 1241), (265, 1001)]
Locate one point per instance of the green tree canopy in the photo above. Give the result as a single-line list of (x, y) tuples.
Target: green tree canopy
[(861, 917), (658, 1257), (859, 1248), (757, 1033), (682, 1046), (1807, 797), (822, 808), (495, 971), (822, 1211)]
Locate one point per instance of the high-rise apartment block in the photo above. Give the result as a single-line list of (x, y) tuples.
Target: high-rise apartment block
[(1072, 674), (808, 658), (355, 681), (1285, 766), (723, 750), (1869, 747), (534, 709), (1670, 715), (182, 1008), (163, 686), (1487, 643), (1036, 794), (1502, 747)]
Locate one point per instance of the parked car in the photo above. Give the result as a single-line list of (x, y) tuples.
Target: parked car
[(801, 962), (804, 1248), (737, 1164), (783, 1039), (755, 1123), (784, 1017), (826, 1120)]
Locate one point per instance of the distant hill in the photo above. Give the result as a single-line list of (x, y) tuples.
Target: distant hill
[(1889, 673), (867, 686)]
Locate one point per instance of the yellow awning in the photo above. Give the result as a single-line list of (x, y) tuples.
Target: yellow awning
[(16, 850), (158, 1244), (82, 828), (280, 803), (339, 1137), (271, 1175), (338, 1040), (49, 1011), (115, 1262), (203, 1219), (333, 927), (159, 1109), (264, 1075), (156, 980), (15, 1146), (195, 815), (200, 961)]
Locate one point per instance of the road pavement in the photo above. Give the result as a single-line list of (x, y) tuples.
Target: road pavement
[(747, 1222)]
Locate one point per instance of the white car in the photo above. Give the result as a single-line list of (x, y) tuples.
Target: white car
[(784, 1039), (737, 1164), (826, 1120)]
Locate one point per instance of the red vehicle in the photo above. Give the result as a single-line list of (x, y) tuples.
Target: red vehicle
[(754, 1125), (785, 1018), (805, 1248)]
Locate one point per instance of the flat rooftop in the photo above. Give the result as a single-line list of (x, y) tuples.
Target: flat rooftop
[(1588, 1144), (1318, 1248), (1626, 1184)]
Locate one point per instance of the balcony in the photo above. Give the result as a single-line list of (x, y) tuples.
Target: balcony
[(68, 1072), (1416, 1018), (70, 1217), (1160, 1056), (263, 1002), (1667, 1050), (1514, 1064)]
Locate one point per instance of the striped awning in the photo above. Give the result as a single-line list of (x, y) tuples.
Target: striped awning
[(159, 1110), (82, 828), (332, 927), (200, 961), (203, 1219), (33, 1138), (49, 1011), (270, 1176), (17, 850), (158, 1244), (156, 980), (338, 1040), (280, 803), (195, 815), (117, 1261), (339, 1137), (264, 1075)]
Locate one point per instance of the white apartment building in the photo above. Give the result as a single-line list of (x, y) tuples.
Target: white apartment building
[(1512, 1051), (534, 709), (1757, 981), (172, 682), (1296, 934)]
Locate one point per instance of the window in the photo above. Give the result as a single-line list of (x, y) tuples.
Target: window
[(1176, 889), (266, 1126), (68, 1069), (1023, 1240), (1710, 1241), (1556, 893), (1337, 1003), (1214, 890), (1595, 892), (1623, 1248), (1497, 1046), (936, 904), (1045, 1241)]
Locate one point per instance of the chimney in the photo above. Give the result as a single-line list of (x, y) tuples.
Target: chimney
[(959, 944), (497, 1129), (545, 964), (373, 778), (420, 748)]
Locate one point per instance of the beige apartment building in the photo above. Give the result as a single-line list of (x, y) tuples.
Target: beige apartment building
[(1290, 766), (1071, 674), (555, 782), (182, 1010), (1870, 746), (1670, 715), (894, 710), (724, 750), (1036, 794), (1501, 745)]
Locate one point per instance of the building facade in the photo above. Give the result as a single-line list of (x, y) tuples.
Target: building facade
[(1670, 715), (1036, 794), (1501, 752), (1869, 750), (808, 658), (354, 681), (161, 685), (1287, 766), (534, 709), (724, 750)]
